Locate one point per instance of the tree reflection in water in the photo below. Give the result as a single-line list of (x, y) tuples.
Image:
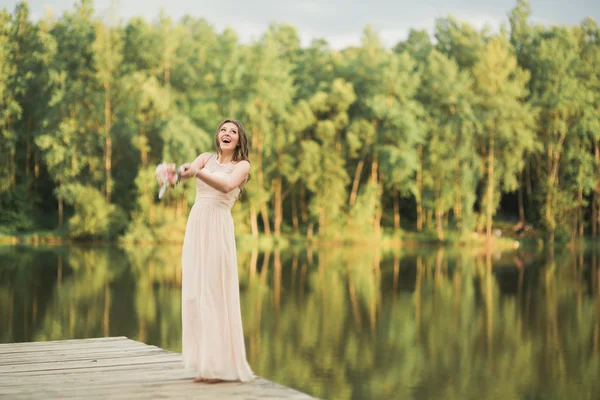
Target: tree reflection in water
[(342, 323)]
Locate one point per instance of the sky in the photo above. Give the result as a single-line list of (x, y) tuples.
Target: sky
[(340, 22)]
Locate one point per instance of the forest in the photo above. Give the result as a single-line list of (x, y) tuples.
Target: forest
[(446, 135)]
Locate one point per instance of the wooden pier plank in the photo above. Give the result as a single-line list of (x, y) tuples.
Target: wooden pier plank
[(70, 356), (49, 343), (116, 368), (74, 347)]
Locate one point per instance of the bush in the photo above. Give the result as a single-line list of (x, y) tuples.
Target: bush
[(94, 217), (16, 211)]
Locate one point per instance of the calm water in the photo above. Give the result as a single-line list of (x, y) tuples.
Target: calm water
[(342, 323)]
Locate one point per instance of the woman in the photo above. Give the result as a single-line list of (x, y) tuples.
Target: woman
[(213, 339)]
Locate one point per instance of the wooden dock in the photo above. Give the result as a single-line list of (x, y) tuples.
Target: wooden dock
[(114, 368)]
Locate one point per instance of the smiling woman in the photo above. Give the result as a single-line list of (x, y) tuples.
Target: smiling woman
[(231, 143), (213, 339)]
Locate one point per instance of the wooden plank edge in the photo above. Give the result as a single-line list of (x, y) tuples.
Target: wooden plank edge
[(66, 341)]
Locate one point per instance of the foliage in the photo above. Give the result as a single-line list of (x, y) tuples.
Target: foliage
[(438, 137)]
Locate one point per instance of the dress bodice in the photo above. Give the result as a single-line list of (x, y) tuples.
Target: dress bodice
[(207, 194)]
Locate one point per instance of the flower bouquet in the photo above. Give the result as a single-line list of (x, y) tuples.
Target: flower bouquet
[(167, 176)]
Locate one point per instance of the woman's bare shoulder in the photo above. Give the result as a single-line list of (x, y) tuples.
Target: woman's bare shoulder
[(243, 164), (205, 156)]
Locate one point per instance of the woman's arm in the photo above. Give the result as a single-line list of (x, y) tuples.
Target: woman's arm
[(187, 170), (228, 183)]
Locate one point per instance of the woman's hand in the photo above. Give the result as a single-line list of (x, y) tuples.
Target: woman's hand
[(184, 167), (186, 170), (189, 170)]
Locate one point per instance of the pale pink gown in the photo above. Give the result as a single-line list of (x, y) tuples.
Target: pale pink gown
[(213, 338)]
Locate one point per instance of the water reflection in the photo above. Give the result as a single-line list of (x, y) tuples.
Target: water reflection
[(342, 323)]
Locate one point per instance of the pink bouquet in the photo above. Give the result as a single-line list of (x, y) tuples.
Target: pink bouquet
[(166, 176)]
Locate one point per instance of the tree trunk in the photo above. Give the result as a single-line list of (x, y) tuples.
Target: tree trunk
[(574, 222), (553, 169), (596, 202), (108, 143), (594, 216), (439, 223), (597, 213), (521, 204), (375, 199), (294, 271), (143, 152), (59, 273), (396, 209), (439, 213), (551, 238), (254, 221), (379, 212), (490, 191), (13, 170), (309, 231), (303, 207), (36, 170), (580, 212), (295, 222), (28, 147), (357, 173), (278, 206), (374, 168), (528, 187), (396, 274), (60, 211), (323, 214), (458, 206), (264, 212), (419, 193), (597, 221)]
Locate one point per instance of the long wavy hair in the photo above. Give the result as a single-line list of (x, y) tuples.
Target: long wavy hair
[(241, 150)]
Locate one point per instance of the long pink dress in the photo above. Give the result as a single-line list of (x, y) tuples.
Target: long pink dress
[(213, 338)]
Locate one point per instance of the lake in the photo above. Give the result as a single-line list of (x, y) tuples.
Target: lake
[(342, 322)]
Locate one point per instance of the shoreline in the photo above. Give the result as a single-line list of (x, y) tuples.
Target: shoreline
[(395, 240)]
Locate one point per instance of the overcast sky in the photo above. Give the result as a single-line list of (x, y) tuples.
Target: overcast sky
[(340, 22)]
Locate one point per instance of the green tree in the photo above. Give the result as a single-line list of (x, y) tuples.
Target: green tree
[(270, 92), (460, 41), (505, 122), (566, 107), (322, 165), (68, 148), (588, 72), (11, 110), (417, 44), (107, 53), (375, 93), (400, 132), (448, 157)]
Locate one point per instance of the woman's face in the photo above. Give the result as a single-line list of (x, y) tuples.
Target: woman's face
[(228, 136)]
